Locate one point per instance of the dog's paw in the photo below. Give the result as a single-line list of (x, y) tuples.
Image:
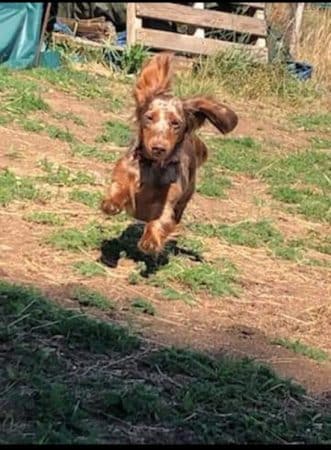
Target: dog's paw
[(150, 245), (110, 208)]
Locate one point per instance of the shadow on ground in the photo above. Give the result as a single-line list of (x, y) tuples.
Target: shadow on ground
[(126, 245)]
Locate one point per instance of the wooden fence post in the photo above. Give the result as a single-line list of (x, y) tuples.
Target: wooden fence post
[(132, 23), (295, 33)]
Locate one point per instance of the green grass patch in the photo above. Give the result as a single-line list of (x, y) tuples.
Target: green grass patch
[(237, 154), (27, 309), (63, 176), (70, 116), (319, 143), (89, 269), (54, 132), (89, 238), (116, 132), (83, 84), (250, 234), (88, 198), (44, 218), (13, 188), (70, 379), (94, 152), (212, 183), (90, 297), (218, 279), (144, 306), (303, 349), (313, 122), (301, 179)]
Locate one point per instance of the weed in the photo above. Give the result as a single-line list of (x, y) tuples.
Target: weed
[(90, 237), (88, 198), (62, 176), (89, 297), (70, 116), (44, 218), (143, 305), (89, 151), (116, 132), (89, 269), (55, 132), (217, 280), (303, 349), (213, 184), (313, 122), (13, 187), (250, 234)]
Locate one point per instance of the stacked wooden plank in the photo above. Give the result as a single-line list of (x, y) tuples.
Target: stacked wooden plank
[(96, 29)]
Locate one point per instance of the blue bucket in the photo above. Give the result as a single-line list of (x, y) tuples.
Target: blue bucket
[(301, 70)]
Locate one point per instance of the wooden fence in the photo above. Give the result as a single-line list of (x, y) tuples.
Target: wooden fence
[(246, 31)]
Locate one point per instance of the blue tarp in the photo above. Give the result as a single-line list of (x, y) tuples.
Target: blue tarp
[(20, 25)]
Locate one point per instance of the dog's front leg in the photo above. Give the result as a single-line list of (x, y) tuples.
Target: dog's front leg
[(157, 232), (122, 188)]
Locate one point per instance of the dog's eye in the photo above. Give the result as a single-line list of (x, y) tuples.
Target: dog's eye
[(175, 123), (148, 117)]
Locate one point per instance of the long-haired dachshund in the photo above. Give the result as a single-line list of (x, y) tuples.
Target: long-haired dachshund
[(156, 179)]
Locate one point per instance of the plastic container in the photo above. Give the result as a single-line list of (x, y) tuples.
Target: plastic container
[(301, 70)]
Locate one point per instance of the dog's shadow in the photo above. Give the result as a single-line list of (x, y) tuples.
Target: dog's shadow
[(112, 251)]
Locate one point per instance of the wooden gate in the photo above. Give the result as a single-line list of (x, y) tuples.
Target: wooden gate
[(247, 31)]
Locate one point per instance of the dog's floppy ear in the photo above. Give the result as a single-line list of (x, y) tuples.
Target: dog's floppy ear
[(201, 108), (154, 79)]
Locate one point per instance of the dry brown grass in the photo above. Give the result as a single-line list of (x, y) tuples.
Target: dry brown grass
[(315, 41)]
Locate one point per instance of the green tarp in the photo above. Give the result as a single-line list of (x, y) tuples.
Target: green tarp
[(20, 25)]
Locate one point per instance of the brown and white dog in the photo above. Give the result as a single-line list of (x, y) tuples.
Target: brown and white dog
[(156, 179)]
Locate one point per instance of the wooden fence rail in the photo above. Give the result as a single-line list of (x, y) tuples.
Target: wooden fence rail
[(247, 32)]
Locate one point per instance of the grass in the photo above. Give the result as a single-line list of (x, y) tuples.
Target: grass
[(249, 234), (62, 176), (303, 349), (316, 28), (94, 152), (88, 198), (70, 116), (144, 306), (73, 240), (90, 237), (54, 132), (213, 183), (319, 143), (77, 82), (65, 380), (91, 298), (44, 218), (236, 72), (313, 122), (89, 269), (238, 154), (13, 188), (116, 132), (218, 279), (301, 178)]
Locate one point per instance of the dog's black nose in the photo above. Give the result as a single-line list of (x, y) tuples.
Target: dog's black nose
[(157, 150)]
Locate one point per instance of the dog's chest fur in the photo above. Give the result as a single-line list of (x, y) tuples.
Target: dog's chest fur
[(154, 183)]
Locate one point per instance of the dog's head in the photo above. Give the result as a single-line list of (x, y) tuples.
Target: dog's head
[(164, 119)]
